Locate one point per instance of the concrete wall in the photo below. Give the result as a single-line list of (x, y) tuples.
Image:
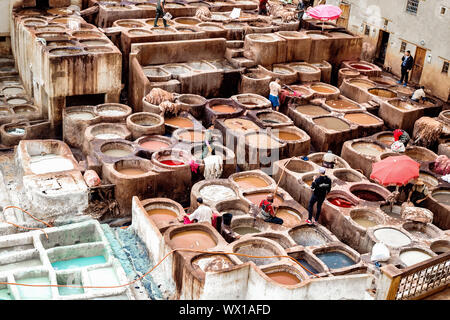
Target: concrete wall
[(428, 29)]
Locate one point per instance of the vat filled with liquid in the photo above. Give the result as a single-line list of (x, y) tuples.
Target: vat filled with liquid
[(223, 108), (362, 119), (78, 262), (34, 293), (312, 110), (162, 214), (382, 93), (81, 115), (179, 122), (211, 263), (308, 236), (249, 182), (241, 125), (216, 192), (335, 259), (50, 162), (392, 237), (332, 123), (368, 148), (290, 217), (242, 230), (193, 239), (412, 257), (284, 277), (257, 197), (368, 195), (342, 104), (442, 196)]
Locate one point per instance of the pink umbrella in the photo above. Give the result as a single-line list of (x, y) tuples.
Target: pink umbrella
[(324, 12)]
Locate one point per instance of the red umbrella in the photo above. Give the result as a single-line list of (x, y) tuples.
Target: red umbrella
[(324, 12), (395, 170)]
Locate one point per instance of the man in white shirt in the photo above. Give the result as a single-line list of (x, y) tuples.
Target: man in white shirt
[(275, 89), (419, 94), (329, 160), (202, 214)]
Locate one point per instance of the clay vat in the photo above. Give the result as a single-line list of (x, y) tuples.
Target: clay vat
[(298, 45), (325, 70), (16, 101), (153, 143), (115, 150), (440, 246), (414, 256), (385, 138), (285, 275), (394, 213), (422, 231), (308, 236), (306, 93), (346, 73), (371, 193), (240, 125), (213, 192), (251, 180), (368, 148), (247, 226), (145, 123), (286, 74), (162, 211), (258, 247), (306, 72), (12, 133), (382, 93), (151, 22), (34, 22), (348, 175), (260, 150), (297, 141), (308, 262), (400, 114), (332, 123), (363, 67), (270, 119), (290, 216), (27, 111), (342, 104), (212, 30), (255, 197), (212, 262), (177, 70), (253, 81), (87, 34), (323, 90), (128, 24), (187, 21), (104, 131), (392, 237), (221, 108), (156, 74), (317, 159), (236, 207), (366, 218), (13, 91), (201, 66), (189, 135), (311, 110), (266, 49), (75, 121), (182, 121), (440, 206), (428, 179), (251, 101), (337, 257), (420, 154), (192, 103), (113, 112), (194, 236)]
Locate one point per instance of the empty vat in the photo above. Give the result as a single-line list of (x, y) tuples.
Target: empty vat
[(212, 262), (257, 247)]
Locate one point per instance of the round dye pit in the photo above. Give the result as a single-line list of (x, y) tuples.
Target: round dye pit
[(442, 196), (13, 91), (256, 248), (15, 101), (394, 213), (428, 179), (347, 175), (193, 239), (412, 257), (362, 118), (24, 109), (323, 89), (284, 277), (250, 182), (192, 136), (308, 236), (179, 122), (382, 93), (223, 108), (172, 162), (240, 125), (111, 112), (403, 105), (131, 171), (299, 166), (107, 136), (365, 218), (40, 164), (420, 230), (317, 36), (154, 145), (312, 110), (176, 69), (162, 214), (342, 104), (290, 217), (287, 136), (340, 202), (392, 237), (368, 195), (386, 139), (200, 65), (212, 263), (256, 198), (368, 148), (362, 84), (216, 193), (261, 140), (420, 154), (440, 246), (81, 115), (335, 259), (332, 123), (242, 230), (187, 21), (362, 67)]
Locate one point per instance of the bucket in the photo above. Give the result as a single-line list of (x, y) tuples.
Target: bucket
[(226, 218)]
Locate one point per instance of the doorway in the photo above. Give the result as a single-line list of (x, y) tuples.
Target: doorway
[(343, 19), (419, 60), (383, 41)]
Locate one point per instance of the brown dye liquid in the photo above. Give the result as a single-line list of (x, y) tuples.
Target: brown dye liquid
[(256, 198), (154, 145), (223, 108), (290, 218), (162, 215), (194, 239), (342, 104), (251, 182), (284, 277), (193, 136), (131, 171), (322, 89), (383, 93), (312, 110), (332, 123), (361, 118), (242, 125), (179, 122), (262, 141), (361, 84), (386, 139), (287, 136)]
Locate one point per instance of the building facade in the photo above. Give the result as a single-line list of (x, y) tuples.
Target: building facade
[(389, 28)]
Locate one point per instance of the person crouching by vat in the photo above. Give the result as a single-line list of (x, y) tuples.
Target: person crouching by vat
[(267, 212), (262, 7), (329, 160), (275, 88), (321, 186), (202, 214)]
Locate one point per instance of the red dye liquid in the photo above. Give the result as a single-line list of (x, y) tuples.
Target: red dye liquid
[(340, 202), (368, 195), (360, 67), (172, 162)]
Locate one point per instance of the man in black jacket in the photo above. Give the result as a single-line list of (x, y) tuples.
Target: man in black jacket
[(407, 64), (321, 186)]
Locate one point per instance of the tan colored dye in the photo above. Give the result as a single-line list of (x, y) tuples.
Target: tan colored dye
[(332, 123), (154, 145), (365, 222), (162, 215), (290, 218), (362, 84), (361, 118), (223, 108), (312, 110), (382, 93), (192, 136), (241, 125), (386, 139), (179, 122), (322, 89), (342, 104), (251, 182), (131, 171), (283, 277), (368, 148), (193, 239), (262, 141), (287, 136)]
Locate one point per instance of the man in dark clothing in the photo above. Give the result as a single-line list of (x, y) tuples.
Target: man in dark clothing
[(266, 210), (301, 12), (262, 9), (407, 64), (321, 186), (160, 12)]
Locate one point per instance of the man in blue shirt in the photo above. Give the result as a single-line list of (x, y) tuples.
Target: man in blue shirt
[(407, 64)]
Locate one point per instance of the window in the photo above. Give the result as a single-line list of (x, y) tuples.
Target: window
[(445, 67), (367, 30), (443, 10), (411, 6), (403, 47)]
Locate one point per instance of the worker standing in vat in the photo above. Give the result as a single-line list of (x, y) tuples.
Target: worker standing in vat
[(329, 160), (419, 94), (275, 88), (267, 212), (418, 193), (407, 64), (321, 186), (262, 7), (202, 214), (160, 12)]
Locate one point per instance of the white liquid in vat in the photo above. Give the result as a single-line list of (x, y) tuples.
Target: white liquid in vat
[(412, 257), (110, 113), (215, 193), (392, 237), (50, 162), (107, 136)]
